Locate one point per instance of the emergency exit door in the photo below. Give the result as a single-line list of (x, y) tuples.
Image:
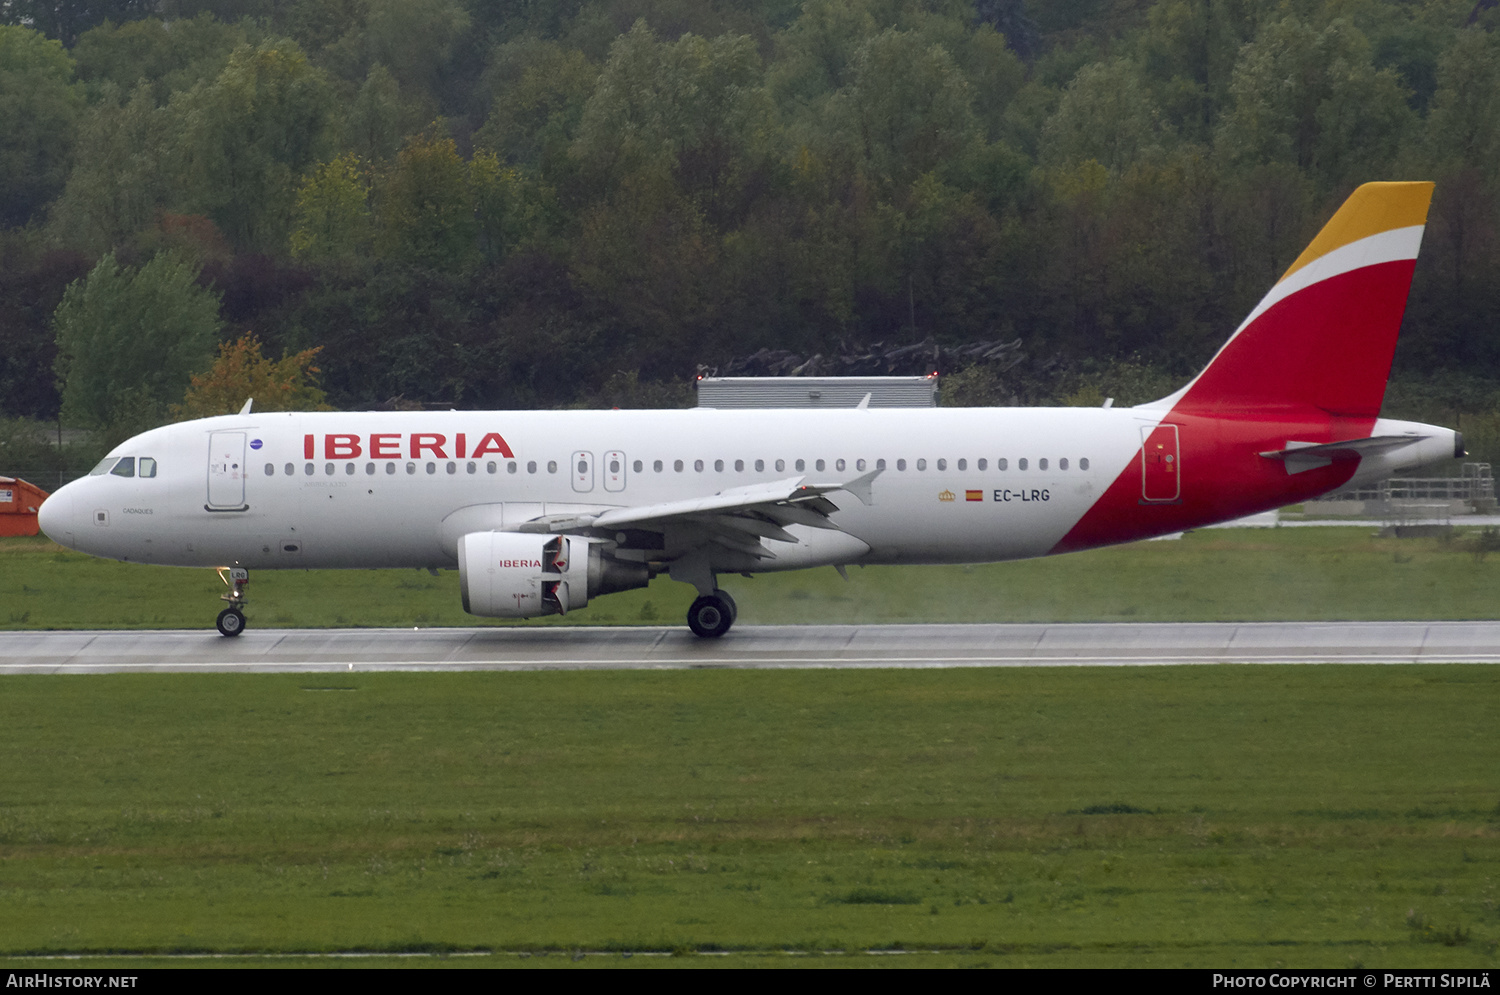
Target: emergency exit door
[(583, 472), (1161, 464), (226, 471)]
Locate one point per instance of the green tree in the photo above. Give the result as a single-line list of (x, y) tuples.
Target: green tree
[(415, 38), (909, 106), (128, 341), (333, 219), (169, 55), (65, 20), (1313, 98), (246, 137), (425, 210), (1463, 128), (378, 117), (508, 208), (122, 176), (689, 109), (540, 89), (39, 108), (1107, 115)]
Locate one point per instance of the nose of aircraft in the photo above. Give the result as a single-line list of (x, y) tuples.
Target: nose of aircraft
[(55, 516)]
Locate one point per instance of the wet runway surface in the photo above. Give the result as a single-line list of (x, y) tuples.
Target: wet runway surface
[(815, 646)]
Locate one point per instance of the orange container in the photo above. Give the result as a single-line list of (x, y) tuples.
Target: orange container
[(18, 504)]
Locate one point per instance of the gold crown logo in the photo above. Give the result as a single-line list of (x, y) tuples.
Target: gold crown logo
[(946, 496)]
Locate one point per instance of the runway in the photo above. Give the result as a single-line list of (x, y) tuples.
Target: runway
[(751, 647)]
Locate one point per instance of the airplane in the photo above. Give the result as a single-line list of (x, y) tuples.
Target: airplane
[(542, 511)]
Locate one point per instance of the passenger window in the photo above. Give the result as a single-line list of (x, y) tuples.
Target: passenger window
[(819, 464), (901, 464), (270, 469), (656, 466), (739, 466), (492, 466), (552, 466), (431, 469), (531, 466), (1083, 464), (390, 468), (1041, 464), (880, 464), (452, 468), (801, 465), (760, 466), (963, 464), (1062, 464), (328, 469), (308, 469), (942, 464), (103, 466), (411, 468), (859, 464), (718, 466), (921, 464), (981, 463), (472, 467), (1021, 463), (290, 469), (148, 467), (511, 467), (369, 469), (124, 468), (637, 466), (677, 465), (348, 469), (780, 465), (583, 466)]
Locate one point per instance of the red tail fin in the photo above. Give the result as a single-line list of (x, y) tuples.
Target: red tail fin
[(1325, 334)]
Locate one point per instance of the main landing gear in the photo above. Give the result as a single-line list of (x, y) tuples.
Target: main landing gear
[(232, 619), (712, 615)]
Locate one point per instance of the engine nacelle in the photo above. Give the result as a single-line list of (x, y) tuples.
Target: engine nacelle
[(522, 575)]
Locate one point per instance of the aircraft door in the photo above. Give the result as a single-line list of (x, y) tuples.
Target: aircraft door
[(1161, 465), (583, 472), (226, 472), (614, 470)]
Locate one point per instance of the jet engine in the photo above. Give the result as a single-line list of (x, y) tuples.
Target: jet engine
[(521, 575)]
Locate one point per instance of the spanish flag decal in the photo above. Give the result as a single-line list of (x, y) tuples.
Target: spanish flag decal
[(973, 495)]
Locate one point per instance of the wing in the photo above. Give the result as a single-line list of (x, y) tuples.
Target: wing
[(738, 519)]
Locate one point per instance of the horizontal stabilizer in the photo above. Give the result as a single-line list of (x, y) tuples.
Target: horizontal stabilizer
[(1300, 456)]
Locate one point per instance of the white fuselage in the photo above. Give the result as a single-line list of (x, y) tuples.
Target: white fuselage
[(338, 489)]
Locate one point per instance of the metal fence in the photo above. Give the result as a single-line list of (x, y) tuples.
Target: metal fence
[(1477, 484), (47, 480)]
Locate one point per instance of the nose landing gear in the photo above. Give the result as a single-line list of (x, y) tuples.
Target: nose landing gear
[(231, 621)]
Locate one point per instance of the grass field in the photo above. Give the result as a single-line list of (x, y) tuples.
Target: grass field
[(1212, 575), (1210, 816), (1214, 816)]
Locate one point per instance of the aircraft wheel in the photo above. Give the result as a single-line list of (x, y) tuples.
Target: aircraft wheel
[(231, 622), (711, 616), (734, 609)]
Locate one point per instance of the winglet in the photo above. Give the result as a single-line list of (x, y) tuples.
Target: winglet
[(860, 487)]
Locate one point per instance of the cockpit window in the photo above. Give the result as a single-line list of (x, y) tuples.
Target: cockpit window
[(147, 467), (103, 466), (124, 468)]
